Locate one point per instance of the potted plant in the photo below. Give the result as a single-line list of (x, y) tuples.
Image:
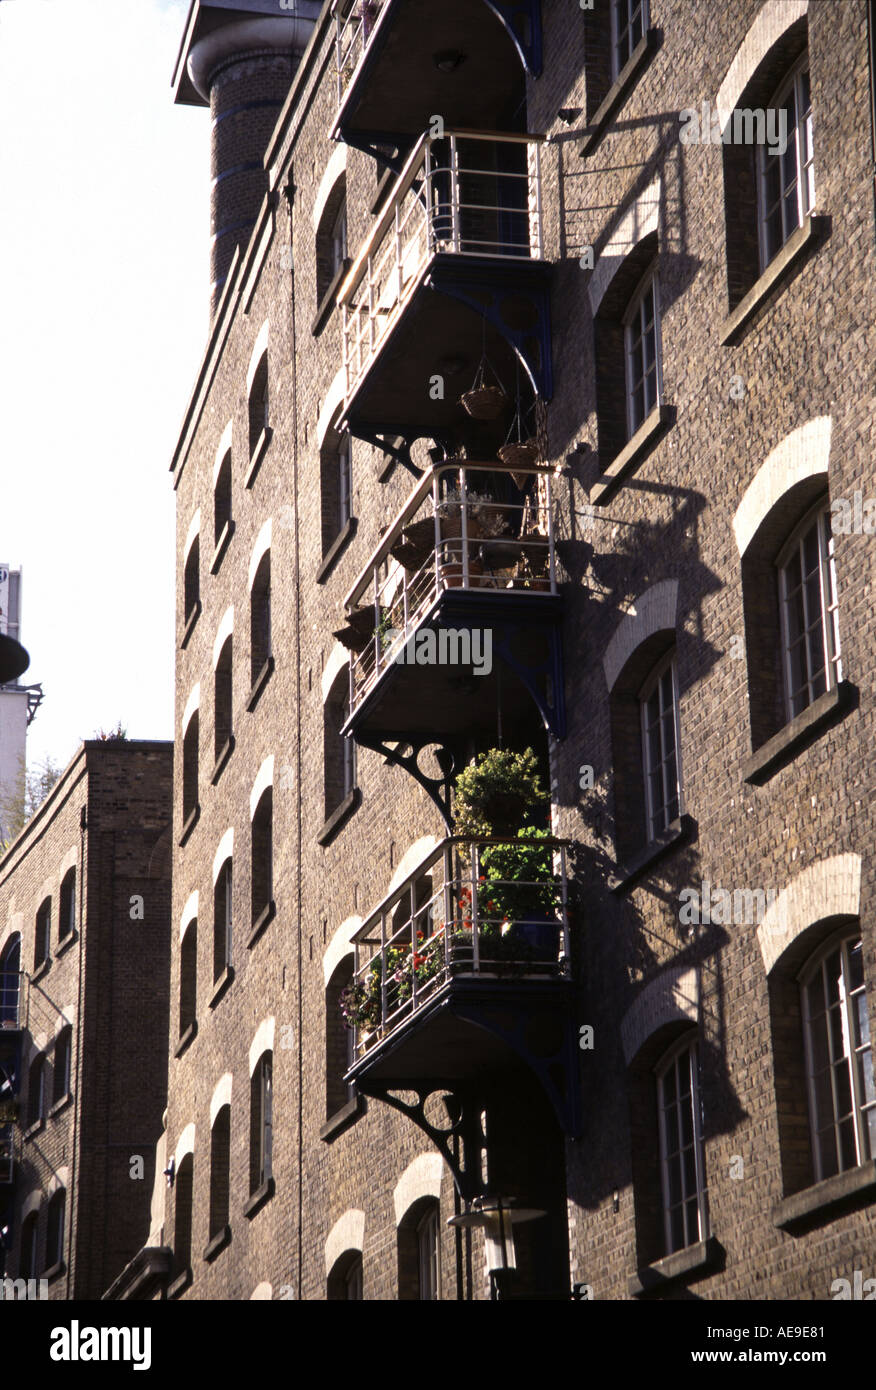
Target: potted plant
[(497, 793)]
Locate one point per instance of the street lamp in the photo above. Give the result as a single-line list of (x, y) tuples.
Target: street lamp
[(497, 1217), (14, 660)]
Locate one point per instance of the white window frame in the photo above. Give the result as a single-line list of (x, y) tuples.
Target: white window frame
[(632, 325), (819, 517), (338, 244), (631, 9), (652, 684), (804, 164), (429, 1256), (845, 942), (353, 1279), (683, 1054)]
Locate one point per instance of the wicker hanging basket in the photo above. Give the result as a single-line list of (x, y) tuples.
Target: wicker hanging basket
[(484, 402), (519, 456)]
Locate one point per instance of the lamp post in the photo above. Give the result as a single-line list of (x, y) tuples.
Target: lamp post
[(497, 1217), (14, 660)]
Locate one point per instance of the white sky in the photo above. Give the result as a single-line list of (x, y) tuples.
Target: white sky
[(104, 283)]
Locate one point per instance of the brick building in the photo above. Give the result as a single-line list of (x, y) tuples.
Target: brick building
[(664, 1063), (84, 961)]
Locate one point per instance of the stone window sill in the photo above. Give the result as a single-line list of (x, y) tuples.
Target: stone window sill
[(259, 684), (337, 548), (343, 1118), (221, 546), (60, 1104), (66, 942), (681, 831), (224, 754), (221, 986), (778, 270), (620, 89), (632, 454), (258, 1199), (34, 1129), (266, 915), (258, 454), (327, 303), (187, 1038), (180, 1284), (824, 1201), (217, 1243), (59, 1267), (339, 817), (41, 970), (190, 622), (802, 730), (189, 824), (696, 1261)]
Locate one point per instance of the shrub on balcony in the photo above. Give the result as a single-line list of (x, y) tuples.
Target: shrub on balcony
[(498, 793)]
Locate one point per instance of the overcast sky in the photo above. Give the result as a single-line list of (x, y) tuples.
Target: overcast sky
[(104, 275)]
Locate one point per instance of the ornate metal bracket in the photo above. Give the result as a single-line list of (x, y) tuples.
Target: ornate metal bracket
[(438, 788), (464, 1112)]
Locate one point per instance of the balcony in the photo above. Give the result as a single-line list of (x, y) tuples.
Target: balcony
[(398, 61), (464, 969), (461, 590), (453, 270), (11, 999)]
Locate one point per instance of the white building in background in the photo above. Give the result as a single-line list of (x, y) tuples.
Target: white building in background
[(18, 703)]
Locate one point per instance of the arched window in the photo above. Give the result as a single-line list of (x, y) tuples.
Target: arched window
[(261, 1127), (419, 1252), (259, 421), (62, 1065), (190, 772), (222, 919), (192, 582), (36, 1091), (222, 500), (629, 22), (628, 349), (336, 486), (339, 1041), (786, 189), (27, 1258), (642, 352), (345, 1278), (260, 619), (661, 772), (67, 912), (839, 1058), (42, 933), (262, 878), (682, 1159), (339, 750), (220, 1172), (188, 978), (222, 695), (809, 612), (331, 241), (10, 982), (182, 1229), (55, 1231)]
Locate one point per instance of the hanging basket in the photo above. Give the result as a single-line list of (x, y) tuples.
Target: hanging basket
[(519, 456), (484, 402)]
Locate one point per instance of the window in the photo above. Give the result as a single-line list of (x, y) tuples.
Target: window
[(220, 1168), (55, 1229), (353, 1282), (345, 1278), (682, 1161), (42, 933), (429, 1256), (222, 906), (642, 353), (258, 404), (331, 239), (809, 613), (10, 982), (261, 1123), (182, 1231), (336, 480), (262, 855), (222, 693), (339, 750), (27, 1259), (338, 239), (67, 915), (660, 741), (188, 977), (260, 618), (339, 1041), (190, 769), (786, 186), (36, 1091), (192, 580), (222, 499), (839, 1059), (62, 1061), (629, 21)]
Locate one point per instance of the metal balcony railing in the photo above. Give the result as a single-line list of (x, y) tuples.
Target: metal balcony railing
[(487, 909), (467, 195), (11, 998), (469, 526), (7, 1153), (354, 25)]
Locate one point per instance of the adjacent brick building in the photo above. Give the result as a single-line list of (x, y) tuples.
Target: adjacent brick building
[(84, 962), (674, 1069)]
